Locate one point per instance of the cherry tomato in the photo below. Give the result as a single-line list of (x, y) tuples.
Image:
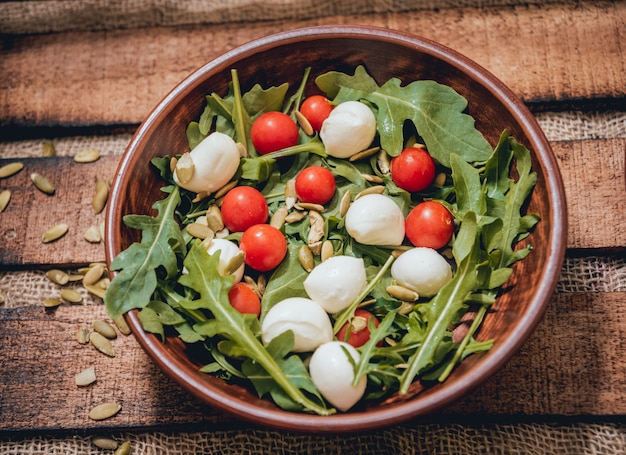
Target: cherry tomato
[(264, 247), (243, 206), (316, 109), (243, 299), (315, 184), (429, 224), (413, 169), (273, 131), (358, 326)]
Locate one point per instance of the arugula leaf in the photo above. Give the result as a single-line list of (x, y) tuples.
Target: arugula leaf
[(133, 286), (351, 87), (286, 281), (204, 278)]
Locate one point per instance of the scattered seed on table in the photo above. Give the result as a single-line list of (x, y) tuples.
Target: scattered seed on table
[(104, 411), (104, 328), (52, 302), (5, 197), (85, 377), (94, 274), (48, 149), (102, 344), (11, 169), (87, 156), (100, 196), (42, 183), (121, 324), (123, 449), (95, 290), (54, 233), (58, 276), (82, 335), (71, 295), (92, 235), (105, 442)]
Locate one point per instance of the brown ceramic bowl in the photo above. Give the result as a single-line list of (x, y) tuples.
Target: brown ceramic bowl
[(385, 54)]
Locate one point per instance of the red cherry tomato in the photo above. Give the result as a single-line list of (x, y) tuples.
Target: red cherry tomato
[(243, 299), (316, 109), (359, 333), (264, 247), (273, 131), (429, 224), (413, 169), (315, 184), (243, 206)]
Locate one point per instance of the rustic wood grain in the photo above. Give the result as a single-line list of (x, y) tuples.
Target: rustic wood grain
[(572, 365), (31, 212), (569, 54), (592, 171)]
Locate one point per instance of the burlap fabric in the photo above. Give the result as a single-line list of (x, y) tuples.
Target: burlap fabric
[(41, 16), (588, 274)]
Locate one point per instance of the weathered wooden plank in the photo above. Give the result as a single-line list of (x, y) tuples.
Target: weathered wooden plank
[(31, 212), (592, 170), (572, 365), (546, 54)]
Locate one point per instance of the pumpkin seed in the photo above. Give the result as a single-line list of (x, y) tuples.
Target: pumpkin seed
[(214, 218), (104, 442), (100, 197), (304, 123), (43, 184), (305, 256), (101, 229), (123, 449), (92, 235), (122, 326), (11, 169), (405, 308), (94, 273), (71, 296), (74, 277), (290, 193), (52, 302), (372, 178), (243, 150), (328, 250), (200, 231), (225, 189), (344, 205), (87, 156), (364, 154), (202, 195), (95, 290), (104, 328), (294, 217), (85, 377), (440, 179), (402, 293), (5, 197), (58, 276), (261, 283), (54, 233), (82, 335), (185, 168), (316, 232), (102, 344), (309, 206), (376, 189), (235, 262), (47, 149), (104, 411), (173, 163), (383, 162), (2, 299), (278, 217)]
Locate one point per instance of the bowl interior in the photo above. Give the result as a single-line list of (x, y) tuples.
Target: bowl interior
[(385, 54)]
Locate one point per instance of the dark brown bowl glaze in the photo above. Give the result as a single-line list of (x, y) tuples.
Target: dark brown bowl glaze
[(385, 54)]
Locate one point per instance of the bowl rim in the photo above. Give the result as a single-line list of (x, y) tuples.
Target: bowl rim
[(383, 417)]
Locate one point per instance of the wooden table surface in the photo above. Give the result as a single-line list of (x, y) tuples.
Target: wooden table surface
[(103, 83)]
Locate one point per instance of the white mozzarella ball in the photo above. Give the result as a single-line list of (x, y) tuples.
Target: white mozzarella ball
[(423, 270), (228, 250), (336, 282), (349, 129), (375, 219), (333, 373), (215, 160), (307, 320)]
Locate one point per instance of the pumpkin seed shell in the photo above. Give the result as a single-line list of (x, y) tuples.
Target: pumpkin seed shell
[(121, 325), (123, 449), (104, 411), (185, 168), (47, 149), (104, 328), (71, 296), (52, 302), (58, 276), (92, 235), (82, 335), (402, 293), (11, 169), (94, 274), (305, 256), (85, 377), (104, 442), (100, 197)]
